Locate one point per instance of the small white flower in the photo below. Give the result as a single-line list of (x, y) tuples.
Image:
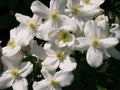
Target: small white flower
[(58, 57), (96, 43), (53, 82), (12, 47), (28, 28), (15, 76), (62, 38)]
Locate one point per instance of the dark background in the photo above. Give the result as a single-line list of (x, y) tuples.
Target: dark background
[(106, 77)]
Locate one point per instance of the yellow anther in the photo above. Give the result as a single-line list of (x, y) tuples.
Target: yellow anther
[(11, 43), (63, 35), (31, 25), (74, 10), (86, 1), (59, 54), (99, 18), (53, 15), (52, 82), (14, 73), (95, 42)]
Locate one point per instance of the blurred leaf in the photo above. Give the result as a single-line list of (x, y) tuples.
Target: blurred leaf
[(12, 4), (101, 88)]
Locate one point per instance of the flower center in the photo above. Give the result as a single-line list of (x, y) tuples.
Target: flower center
[(99, 19), (63, 35), (11, 43), (95, 42), (86, 1), (74, 10), (53, 15), (58, 54), (14, 73), (31, 25), (52, 82)]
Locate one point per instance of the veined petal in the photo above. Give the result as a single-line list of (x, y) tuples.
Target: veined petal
[(20, 83), (50, 63), (108, 42), (83, 43), (64, 78), (45, 73), (97, 2), (40, 9), (90, 10), (37, 50), (41, 85), (71, 3), (24, 37), (22, 18), (114, 53), (94, 57), (91, 29), (8, 51), (58, 5), (6, 80), (25, 69), (12, 62), (68, 64)]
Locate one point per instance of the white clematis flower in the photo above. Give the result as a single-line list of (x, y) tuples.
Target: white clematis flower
[(96, 43), (53, 82), (15, 76), (58, 57), (12, 47), (62, 38), (54, 16), (29, 28)]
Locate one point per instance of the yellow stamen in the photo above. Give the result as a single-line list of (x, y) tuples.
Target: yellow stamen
[(31, 25), (14, 73), (11, 43), (53, 15), (86, 1), (74, 10), (59, 54), (95, 42), (63, 35), (52, 82)]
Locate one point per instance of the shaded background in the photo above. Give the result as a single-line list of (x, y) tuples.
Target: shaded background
[(106, 77)]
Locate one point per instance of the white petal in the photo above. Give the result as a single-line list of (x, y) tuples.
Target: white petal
[(20, 83), (24, 37), (37, 50), (45, 73), (60, 43), (91, 29), (58, 5), (9, 51), (71, 3), (108, 42), (94, 57), (50, 63), (41, 85), (46, 28), (97, 2), (89, 10), (69, 25), (114, 53), (40, 9), (83, 43), (6, 80), (25, 69), (12, 62), (64, 78), (68, 64), (22, 18)]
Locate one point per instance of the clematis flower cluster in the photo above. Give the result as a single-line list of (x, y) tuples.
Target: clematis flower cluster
[(64, 27)]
